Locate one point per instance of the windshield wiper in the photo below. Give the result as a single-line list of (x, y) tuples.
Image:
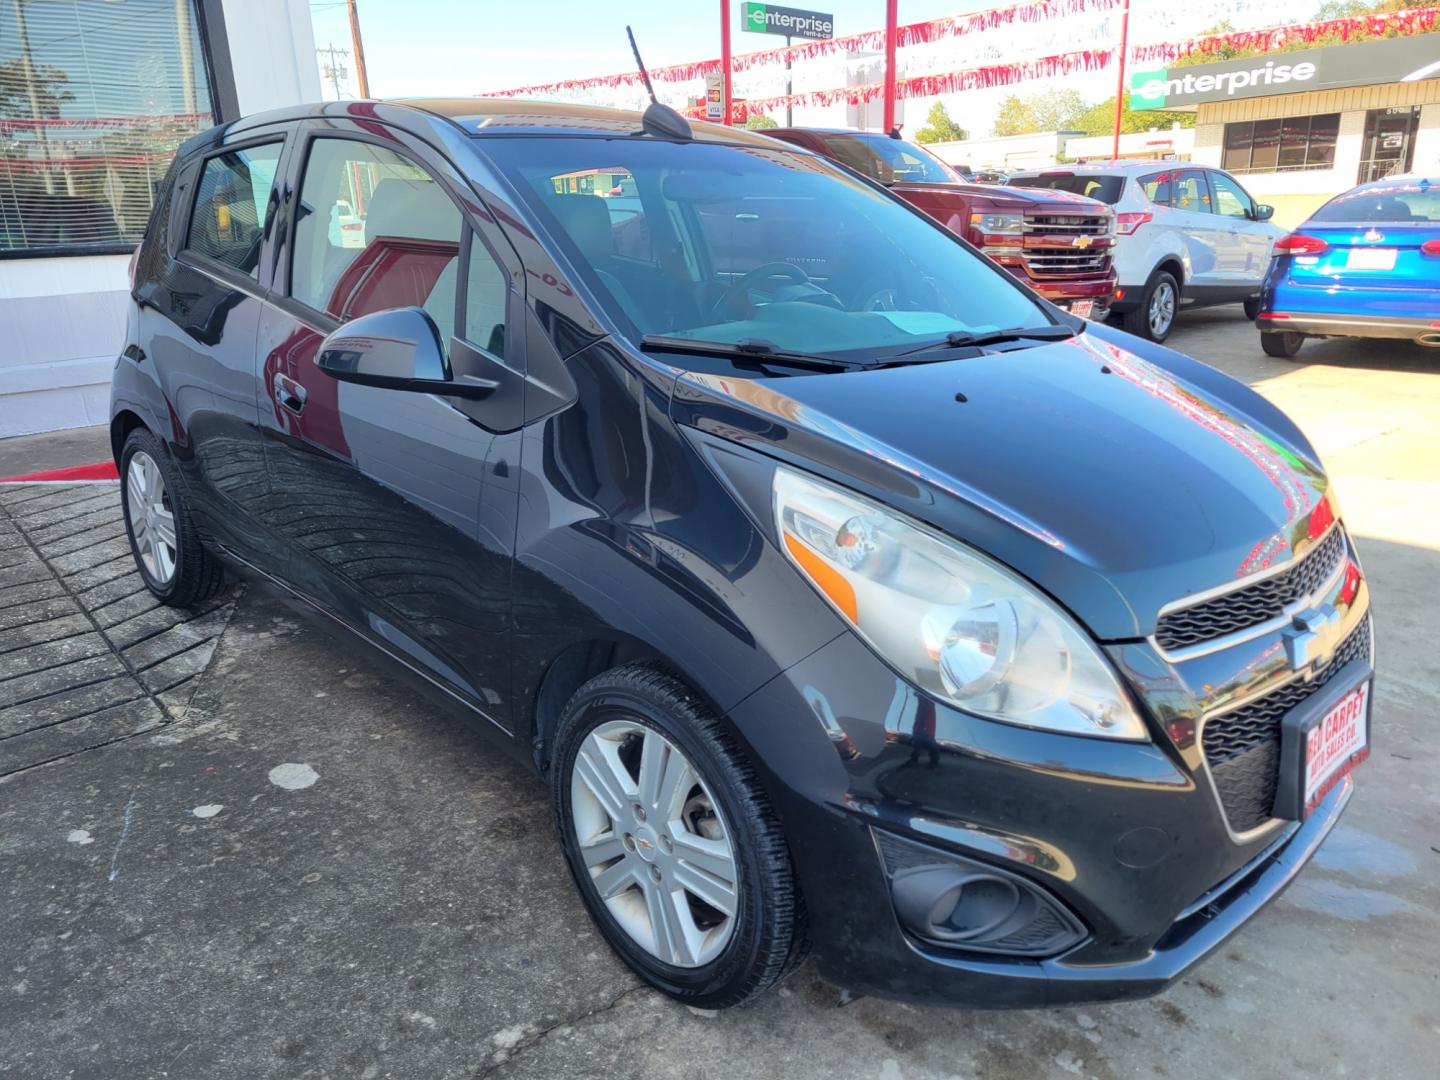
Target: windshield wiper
[(960, 339), (752, 350)]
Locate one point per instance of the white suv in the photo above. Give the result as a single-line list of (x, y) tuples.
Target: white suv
[(1184, 235)]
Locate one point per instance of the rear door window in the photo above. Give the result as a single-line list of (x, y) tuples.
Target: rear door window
[(227, 223), (374, 231), (1180, 189)]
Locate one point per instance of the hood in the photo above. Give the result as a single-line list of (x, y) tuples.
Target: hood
[(1115, 482), (1040, 199)]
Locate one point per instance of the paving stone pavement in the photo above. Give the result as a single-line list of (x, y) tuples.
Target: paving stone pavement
[(87, 656)]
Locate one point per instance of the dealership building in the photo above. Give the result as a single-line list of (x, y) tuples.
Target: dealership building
[(1299, 127), (95, 97)]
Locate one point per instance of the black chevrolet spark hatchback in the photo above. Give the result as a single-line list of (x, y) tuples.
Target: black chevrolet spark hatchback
[(846, 594)]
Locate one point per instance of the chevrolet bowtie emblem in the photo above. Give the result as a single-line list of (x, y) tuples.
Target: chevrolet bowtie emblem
[(1081, 241), (1311, 639)]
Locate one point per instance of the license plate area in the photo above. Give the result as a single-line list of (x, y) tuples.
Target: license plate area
[(1370, 259), (1323, 740), (1083, 308)]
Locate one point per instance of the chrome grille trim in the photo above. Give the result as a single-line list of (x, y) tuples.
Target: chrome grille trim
[(1069, 224), (1281, 589)]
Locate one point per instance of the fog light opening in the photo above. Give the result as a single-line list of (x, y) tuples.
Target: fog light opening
[(946, 899), (974, 909)]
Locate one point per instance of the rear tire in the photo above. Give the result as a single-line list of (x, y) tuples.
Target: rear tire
[(1283, 346), (1154, 316), (174, 565), (652, 913), (1252, 308)]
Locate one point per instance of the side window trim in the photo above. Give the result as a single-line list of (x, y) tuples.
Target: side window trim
[(194, 173)]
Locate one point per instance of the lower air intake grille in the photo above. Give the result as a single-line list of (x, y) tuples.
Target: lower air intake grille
[(1242, 747)]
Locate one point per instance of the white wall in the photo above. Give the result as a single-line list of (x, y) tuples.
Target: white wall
[(62, 321), (272, 48)]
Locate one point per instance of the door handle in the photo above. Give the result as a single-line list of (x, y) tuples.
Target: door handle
[(289, 393)]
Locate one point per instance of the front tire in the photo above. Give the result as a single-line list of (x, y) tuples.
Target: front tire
[(1283, 346), (1154, 317), (1252, 308), (174, 566), (671, 840)]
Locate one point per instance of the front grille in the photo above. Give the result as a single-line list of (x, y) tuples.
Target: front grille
[(1063, 261), (1252, 605), (1242, 747), (1067, 224)]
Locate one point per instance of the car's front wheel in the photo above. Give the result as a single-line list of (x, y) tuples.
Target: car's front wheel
[(1154, 316), (1282, 345), (1252, 308), (163, 539), (671, 841)]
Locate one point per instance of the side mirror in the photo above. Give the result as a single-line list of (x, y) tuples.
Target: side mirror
[(396, 350), (1263, 212)]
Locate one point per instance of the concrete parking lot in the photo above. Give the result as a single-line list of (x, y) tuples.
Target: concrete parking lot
[(233, 845)]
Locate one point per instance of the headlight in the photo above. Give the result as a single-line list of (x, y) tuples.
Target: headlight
[(998, 224), (950, 620)]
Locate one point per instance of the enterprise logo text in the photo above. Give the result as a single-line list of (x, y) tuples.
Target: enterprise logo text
[(1162, 86)]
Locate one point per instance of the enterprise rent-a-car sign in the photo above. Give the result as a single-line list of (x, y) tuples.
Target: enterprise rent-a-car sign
[(792, 22), (1369, 62)]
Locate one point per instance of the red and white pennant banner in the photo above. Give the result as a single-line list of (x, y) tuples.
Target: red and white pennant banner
[(950, 82), (922, 33), (1412, 21)]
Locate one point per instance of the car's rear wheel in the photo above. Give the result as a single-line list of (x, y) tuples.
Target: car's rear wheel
[(671, 841), (1252, 308), (1154, 316), (163, 539), (1282, 345)]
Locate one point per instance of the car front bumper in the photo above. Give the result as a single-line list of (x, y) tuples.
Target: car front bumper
[(1127, 837), (1424, 331)]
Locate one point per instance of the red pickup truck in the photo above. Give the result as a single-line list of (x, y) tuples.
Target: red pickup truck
[(1059, 244)]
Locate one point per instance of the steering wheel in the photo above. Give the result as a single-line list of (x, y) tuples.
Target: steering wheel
[(720, 310)]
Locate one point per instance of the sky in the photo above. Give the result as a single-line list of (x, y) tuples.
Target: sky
[(464, 47)]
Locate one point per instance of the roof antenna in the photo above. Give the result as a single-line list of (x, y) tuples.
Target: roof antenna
[(659, 120)]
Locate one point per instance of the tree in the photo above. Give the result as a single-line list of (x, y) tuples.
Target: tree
[(1050, 110), (1100, 119), (758, 121), (939, 127), (49, 92)]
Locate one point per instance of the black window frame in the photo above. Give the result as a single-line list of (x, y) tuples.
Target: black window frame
[(1248, 127)]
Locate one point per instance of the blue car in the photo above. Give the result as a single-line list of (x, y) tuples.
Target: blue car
[(1365, 265)]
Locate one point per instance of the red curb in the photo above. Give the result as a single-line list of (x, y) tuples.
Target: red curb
[(101, 470)]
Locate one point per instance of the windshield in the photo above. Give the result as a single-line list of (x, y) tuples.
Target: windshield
[(1415, 200), (723, 243), (890, 161), (1105, 188)]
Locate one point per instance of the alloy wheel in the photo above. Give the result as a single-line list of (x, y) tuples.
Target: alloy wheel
[(152, 519), (1162, 308), (651, 835)]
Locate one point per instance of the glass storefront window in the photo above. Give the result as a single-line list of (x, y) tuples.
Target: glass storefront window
[(95, 98), (1288, 145)]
